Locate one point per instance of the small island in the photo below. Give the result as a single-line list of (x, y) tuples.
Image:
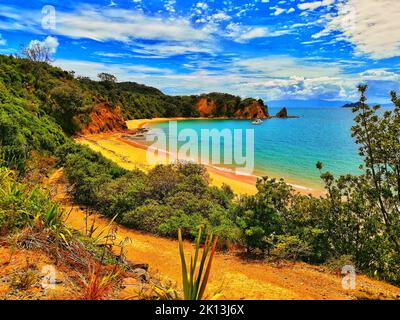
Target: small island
[(351, 105), (284, 114)]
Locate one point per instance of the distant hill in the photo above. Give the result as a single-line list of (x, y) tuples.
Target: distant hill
[(313, 103), (292, 103), (351, 105)]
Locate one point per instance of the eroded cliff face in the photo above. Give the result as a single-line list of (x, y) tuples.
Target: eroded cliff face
[(208, 109), (252, 111), (105, 118)]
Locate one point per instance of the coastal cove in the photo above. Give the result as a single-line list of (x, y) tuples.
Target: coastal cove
[(290, 148)]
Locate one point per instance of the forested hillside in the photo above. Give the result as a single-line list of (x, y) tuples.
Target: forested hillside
[(70, 99), (41, 105)]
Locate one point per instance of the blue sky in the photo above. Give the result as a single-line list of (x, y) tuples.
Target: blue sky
[(289, 49)]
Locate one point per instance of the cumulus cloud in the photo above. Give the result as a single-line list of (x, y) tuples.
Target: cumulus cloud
[(104, 24), (123, 25), (168, 49), (50, 42), (314, 5), (241, 33), (269, 77), (286, 66), (371, 26), (278, 11)]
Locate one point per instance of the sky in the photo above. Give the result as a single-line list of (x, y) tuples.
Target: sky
[(269, 49)]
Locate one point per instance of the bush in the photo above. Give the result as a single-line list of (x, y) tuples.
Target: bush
[(291, 248), (149, 217)]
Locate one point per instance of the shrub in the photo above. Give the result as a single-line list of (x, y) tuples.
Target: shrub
[(291, 248), (149, 216)]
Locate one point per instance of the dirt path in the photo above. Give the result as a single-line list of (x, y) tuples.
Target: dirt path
[(240, 279)]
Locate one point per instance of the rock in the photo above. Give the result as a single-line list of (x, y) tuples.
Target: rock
[(144, 266), (282, 114), (141, 275), (130, 282), (352, 105)]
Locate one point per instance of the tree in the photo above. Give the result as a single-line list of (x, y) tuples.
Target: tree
[(66, 103), (379, 140), (259, 216), (106, 77), (37, 52)]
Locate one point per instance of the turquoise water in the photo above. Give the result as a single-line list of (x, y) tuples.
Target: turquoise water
[(290, 148)]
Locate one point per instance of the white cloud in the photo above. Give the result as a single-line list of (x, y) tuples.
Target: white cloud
[(202, 5), (273, 78), (124, 26), (372, 26), (113, 55), (253, 33), (242, 34), (220, 16), (286, 66), (105, 24), (50, 42), (168, 49), (315, 5), (124, 72), (278, 11), (379, 75)]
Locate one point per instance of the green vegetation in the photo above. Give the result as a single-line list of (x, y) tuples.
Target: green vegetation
[(22, 206), (195, 277), (141, 102), (167, 198), (359, 217)]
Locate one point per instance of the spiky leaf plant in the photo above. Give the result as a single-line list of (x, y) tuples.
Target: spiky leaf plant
[(195, 278)]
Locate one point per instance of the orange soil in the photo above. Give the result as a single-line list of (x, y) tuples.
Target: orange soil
[(205, 107), (104, 118), (239, 278), (18, 260), (252, 111)]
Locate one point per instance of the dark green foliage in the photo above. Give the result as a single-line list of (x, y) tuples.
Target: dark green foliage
[(139, 101), (149, 216), (22, 132), (291, 248), (167, 198), (67, 102), (88, 172), (22, 206), (260, 216), (359, 218)]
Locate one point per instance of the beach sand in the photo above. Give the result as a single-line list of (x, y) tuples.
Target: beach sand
[(133, 155)]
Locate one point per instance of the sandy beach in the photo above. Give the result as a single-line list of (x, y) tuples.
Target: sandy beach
[(132, 155)]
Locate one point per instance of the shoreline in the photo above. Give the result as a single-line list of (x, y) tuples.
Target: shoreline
[(133, 155), (220, 174)]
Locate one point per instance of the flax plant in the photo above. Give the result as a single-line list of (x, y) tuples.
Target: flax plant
[(195, 278)]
